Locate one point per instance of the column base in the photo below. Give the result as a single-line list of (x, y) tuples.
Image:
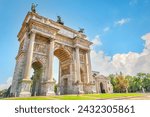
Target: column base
[(50, 88), (80, 88), (92, 87), (25, 88), (25, 94)]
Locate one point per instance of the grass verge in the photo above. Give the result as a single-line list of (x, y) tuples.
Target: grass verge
[(79, 97)]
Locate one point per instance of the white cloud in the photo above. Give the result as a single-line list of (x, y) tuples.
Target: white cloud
[(146, 37), (6, 84), (122, 21), (129, 63), (106, 29), (97, 41)]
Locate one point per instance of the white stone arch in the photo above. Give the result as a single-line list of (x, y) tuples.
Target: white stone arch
[(62, 52), (40, 44), (40, 58), (65, 48)]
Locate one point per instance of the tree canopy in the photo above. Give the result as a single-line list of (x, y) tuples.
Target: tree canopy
[(138, 83)]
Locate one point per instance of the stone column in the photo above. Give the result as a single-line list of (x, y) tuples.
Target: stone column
[(89, 67), (91, 84), (50, 61), (50, 83), (78, 74), (75, 66), (59, 89), (26, 81), (59, 79), (78, 64), (29, 56)]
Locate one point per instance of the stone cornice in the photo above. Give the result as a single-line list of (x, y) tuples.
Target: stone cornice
[(34, 17), (36, 25)]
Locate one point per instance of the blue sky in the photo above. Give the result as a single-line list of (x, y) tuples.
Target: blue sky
[(117, 25)]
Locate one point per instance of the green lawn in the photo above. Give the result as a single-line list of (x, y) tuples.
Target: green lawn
[(79, 97)]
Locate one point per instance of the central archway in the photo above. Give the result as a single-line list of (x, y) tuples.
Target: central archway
[(64, 79)]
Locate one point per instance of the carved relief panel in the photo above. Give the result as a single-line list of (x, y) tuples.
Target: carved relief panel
[(82, 56), (41, 48), (21, 46), (41, 45), (65, 70), (40, 58)]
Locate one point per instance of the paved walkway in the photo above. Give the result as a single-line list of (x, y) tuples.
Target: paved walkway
[(145, 97)]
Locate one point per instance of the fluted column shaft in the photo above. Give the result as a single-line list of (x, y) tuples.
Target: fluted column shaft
[(50, 61), (78, 64), (89, 67), (29, 56)]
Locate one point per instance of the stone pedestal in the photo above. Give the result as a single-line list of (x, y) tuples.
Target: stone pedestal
[(25, 88), (50, 88), (80, 88), (92, 87)]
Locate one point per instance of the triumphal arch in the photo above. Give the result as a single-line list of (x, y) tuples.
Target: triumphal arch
[(40, 40)]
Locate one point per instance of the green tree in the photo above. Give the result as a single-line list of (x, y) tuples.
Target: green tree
[(146, 82), (137, 84), (142, 75), (130, 81), (112, 78), (122, 84)]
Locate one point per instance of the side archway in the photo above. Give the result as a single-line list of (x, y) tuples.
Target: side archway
[(102, 90), (36, 78)]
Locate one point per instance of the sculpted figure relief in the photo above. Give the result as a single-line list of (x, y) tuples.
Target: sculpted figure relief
[(81, 30), (33, 7), (40, 48), (59, 20)]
